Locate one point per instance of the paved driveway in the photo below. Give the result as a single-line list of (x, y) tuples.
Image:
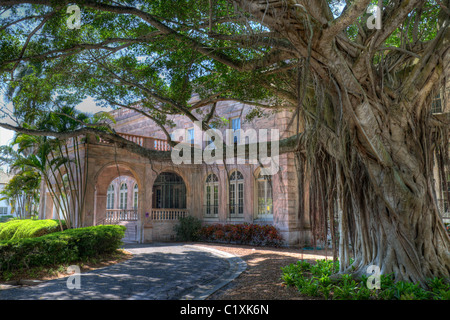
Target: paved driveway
[(156, 272)]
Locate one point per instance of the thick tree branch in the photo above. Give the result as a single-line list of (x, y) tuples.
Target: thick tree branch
[(355, 10)]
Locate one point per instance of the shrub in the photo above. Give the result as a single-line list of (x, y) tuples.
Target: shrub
[(28, 228), (251, 234), (60, 247), (187, 228)]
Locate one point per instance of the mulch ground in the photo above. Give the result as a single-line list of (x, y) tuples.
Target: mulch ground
[(262, 278)]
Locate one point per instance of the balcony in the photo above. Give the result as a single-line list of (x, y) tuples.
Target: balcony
[(145, 142)]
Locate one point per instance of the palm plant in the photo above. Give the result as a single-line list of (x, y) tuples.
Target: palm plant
[(58, 162), (22, 192)]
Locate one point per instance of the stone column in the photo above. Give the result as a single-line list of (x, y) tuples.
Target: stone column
[(145, 204), (223, 194)]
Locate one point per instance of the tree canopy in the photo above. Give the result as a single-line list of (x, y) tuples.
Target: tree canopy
[(159, 53)]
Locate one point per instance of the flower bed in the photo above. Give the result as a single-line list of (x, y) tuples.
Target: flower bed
[(251, 234)]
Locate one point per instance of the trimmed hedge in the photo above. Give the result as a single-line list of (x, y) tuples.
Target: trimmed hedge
[(245, 233), (60, 247), (28, 228)]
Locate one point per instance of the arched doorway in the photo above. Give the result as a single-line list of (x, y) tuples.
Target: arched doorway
[(115, 199), (121, 200), (168, 197)]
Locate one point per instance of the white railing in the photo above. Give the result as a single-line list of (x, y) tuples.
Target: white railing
[(139, 140), (159, 144), (117, 215), (168, 214), (146, 142)]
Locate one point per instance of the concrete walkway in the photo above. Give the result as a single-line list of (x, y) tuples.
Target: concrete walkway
[(156, 272)]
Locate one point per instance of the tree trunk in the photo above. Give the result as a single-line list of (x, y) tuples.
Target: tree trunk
[(389, 209)]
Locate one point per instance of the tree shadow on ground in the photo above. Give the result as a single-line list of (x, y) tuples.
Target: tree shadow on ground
[(155, 276)]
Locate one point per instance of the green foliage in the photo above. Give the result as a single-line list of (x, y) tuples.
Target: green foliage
[(22, 191), (187, 228), (293, 273), (60, 247), (51, 159), (28, 228), (314, 280)]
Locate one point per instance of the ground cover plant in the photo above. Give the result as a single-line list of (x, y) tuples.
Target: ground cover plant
[(319, 280)]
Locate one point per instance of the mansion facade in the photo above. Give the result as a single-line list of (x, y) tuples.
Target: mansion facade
[(149, 196)]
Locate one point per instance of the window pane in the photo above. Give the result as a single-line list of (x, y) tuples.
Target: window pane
[(436, 105), (232, 198), (236, 125), (208, 199), (136, 197), (236, 175), (191, 136), (265, 200), (169, 191), (241, 198), (216, 199)]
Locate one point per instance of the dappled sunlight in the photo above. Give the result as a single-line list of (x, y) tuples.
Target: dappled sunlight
[(154, 273)]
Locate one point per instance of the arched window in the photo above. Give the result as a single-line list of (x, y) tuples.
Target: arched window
[(110, 197), (169, 191), (236, 194), (212, 196), (123, 196), (135, 196), (264, 197)]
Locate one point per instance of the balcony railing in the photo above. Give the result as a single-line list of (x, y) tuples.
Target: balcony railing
[(116, 215), (145, 142), (168, 214)]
